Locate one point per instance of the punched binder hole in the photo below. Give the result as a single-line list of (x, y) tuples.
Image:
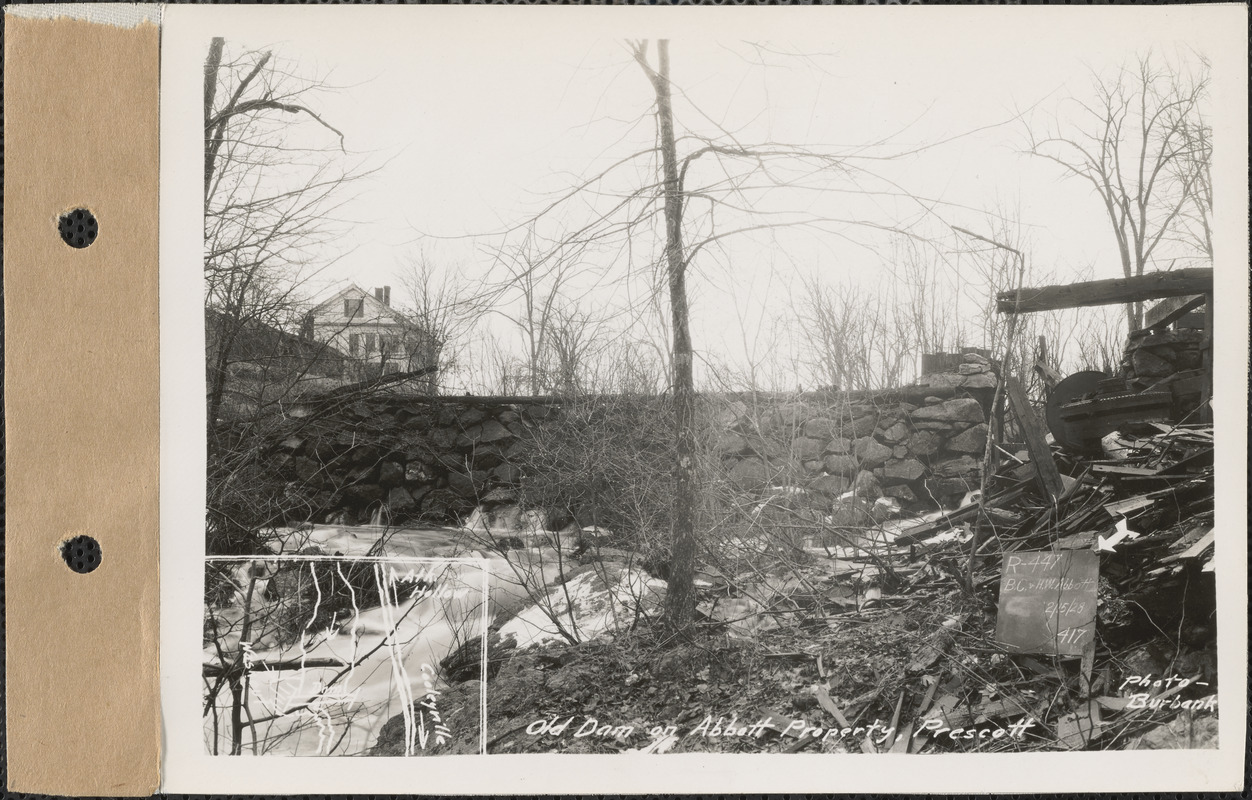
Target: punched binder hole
[(78, 228), (82, 553)]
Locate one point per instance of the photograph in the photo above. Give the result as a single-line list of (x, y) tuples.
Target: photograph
[(840, 389)]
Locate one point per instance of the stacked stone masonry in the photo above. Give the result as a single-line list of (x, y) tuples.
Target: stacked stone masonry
[(404, 458), (919, 453)]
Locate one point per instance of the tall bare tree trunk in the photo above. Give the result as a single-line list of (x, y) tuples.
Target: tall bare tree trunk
[(211, 66), (680, 600)]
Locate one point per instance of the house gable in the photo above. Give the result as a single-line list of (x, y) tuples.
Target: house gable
[(367, 310)]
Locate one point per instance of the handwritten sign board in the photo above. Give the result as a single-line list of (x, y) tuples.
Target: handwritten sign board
[(1048, 601)]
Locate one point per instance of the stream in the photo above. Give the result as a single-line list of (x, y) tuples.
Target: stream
[(323, 676)]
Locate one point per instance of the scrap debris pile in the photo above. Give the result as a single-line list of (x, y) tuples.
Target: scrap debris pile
[(904, 626)]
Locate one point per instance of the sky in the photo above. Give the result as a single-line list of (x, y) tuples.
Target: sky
[(474, 127)]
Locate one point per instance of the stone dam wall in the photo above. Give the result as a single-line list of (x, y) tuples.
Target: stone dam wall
[(402, 458)]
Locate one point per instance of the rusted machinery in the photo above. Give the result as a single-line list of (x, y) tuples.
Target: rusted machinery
[(1086, 406)]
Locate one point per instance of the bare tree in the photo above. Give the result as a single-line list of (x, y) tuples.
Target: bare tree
[(275, 176), (442, 312), (539, 273), (269, 201), (1144, 146), (680, 600), (644, 202)]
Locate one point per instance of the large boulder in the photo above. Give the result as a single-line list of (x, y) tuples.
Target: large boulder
[(750, 475), (733, 414), (1150, 365), (443, 439), (897, 433), (363, 494), (839, 445), (365, 455), (958, 409), (870, 452), (792, 414), (960, 467), (853, 513), (785, 419), (905, 471), (489, 431), (729, 444), (948, 488), (464, 485), (487, 456), (390, 474), (506, 473), (399, 501), (901, 492), (983, 380), (973, 440), (821, 428), (862, 426), (417, 472), (925, 443), (844, 465), (803, 448), (444, 505), (766, 448), (309, 471), (832, 485), (941, 380), (866, 486)]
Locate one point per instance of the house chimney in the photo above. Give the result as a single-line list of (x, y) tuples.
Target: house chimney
[(383, 295)]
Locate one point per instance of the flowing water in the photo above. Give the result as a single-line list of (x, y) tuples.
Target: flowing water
[(339, 642)]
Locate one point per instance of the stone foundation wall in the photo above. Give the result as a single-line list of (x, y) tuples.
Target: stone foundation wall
[(436, 458), (414, 457), (1153, 359), (919, 453)]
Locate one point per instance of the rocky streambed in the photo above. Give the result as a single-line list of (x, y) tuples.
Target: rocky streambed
[(312, 651)]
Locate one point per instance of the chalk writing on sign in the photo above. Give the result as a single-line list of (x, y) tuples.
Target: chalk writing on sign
[(1048, 601)]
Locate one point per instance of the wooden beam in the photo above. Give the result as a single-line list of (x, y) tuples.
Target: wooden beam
[(1206, 353), (1170, 310), (1036, 442), (1151, 286)]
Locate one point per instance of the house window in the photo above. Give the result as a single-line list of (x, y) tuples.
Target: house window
[(354, 343), (353, 308), (369, 342)]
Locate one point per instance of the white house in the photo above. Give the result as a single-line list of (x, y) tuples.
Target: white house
[(365, 327)]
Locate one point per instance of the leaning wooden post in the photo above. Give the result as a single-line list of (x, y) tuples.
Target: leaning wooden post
[(1036, 440)]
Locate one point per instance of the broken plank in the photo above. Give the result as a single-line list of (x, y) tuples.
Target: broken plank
[(1036, 440), (929, 697), (1123, 507), (1049, 375), (1195, 550), (903, 740), (825, 701), (1170, 311), (966, 512), (895, 718), (1136, 472), (1152, 286)]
